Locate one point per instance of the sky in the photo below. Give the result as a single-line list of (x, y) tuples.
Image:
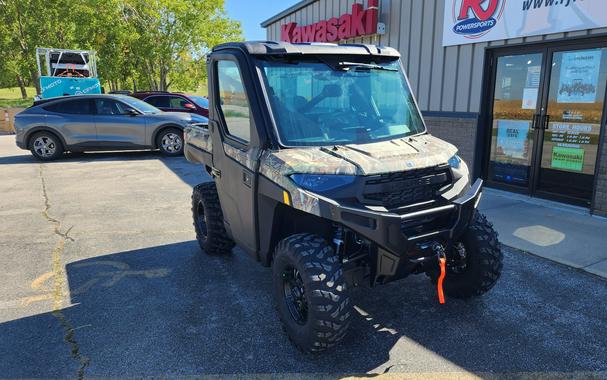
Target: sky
[(251, 13)]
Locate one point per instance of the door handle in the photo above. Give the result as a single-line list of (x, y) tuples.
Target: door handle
[(546, 122), (534, 121), (246, 178), (215, 172)]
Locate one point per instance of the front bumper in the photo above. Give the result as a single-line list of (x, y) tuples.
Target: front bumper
[(403, 240)]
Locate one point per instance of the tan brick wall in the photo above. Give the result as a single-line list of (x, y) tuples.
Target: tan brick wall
[(460, 132), (600, 196)]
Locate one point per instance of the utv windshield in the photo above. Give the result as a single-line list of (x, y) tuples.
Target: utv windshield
[(340, 102)]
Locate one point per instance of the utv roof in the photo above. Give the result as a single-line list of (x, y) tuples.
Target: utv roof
[(286, 48)]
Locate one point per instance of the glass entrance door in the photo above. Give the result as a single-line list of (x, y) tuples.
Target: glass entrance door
[(516, 99), (546, 117), (571, 125)]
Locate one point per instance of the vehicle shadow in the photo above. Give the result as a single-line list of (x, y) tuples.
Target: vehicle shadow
[(189, 173), (172, 310), (27, 158)]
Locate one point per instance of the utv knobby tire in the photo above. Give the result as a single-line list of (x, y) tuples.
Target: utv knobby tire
[(483, 261), (208, 220), (328, 303)]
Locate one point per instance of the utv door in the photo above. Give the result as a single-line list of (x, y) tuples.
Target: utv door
[(236, 145)]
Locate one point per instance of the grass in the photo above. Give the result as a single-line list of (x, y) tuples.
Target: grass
[(11, 97), (202, 90)]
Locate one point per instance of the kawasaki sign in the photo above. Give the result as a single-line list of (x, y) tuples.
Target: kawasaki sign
[(469, 21), (360, 22)]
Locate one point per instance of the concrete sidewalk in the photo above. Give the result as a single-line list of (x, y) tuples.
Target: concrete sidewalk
[(559, 232)]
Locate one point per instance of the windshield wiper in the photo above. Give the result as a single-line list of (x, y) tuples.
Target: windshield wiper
[(364, 66)]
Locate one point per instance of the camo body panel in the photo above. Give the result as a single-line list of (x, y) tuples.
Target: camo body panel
[(365, 159), (244, 157)]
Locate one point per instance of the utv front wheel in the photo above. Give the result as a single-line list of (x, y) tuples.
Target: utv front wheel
[(475, 263), (208, 220), (310, 292)]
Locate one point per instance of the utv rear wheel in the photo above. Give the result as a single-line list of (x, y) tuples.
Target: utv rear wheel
[(475, 263), (310, 292), (208, 220), (170, 142), (45, 146)]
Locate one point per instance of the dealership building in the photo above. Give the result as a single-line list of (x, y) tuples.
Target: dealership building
[(517, 85)]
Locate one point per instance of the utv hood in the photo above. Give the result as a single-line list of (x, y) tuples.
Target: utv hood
[(363, 159)]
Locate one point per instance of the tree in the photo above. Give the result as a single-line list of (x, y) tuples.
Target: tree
[(30, 24), (157, 42), (173, 37)]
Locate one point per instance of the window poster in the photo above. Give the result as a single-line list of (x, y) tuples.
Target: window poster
[(512, 138), (573, 146), (568, 158), (530, 98), (532, 84), (533, 76), (579, 76)]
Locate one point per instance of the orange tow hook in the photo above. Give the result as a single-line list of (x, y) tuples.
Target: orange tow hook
[(442, 261)]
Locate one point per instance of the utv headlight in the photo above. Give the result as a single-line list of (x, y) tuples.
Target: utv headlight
[(322, 182), (455, 162)]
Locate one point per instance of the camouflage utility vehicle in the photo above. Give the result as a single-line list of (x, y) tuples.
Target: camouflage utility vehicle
[(324, 170)]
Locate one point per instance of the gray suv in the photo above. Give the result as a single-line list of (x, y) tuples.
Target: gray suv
[(99, 122)]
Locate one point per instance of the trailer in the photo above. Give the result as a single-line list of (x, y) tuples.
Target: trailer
[(65, 72)]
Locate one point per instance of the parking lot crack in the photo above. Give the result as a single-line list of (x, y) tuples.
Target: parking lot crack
[(59, 280)]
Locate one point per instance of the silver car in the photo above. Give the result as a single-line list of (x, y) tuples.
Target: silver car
[(100, 122)]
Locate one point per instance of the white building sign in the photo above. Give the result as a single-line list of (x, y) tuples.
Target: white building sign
[(471, 21)]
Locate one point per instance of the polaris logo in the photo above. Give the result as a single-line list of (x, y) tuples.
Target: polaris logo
[(475, 18)]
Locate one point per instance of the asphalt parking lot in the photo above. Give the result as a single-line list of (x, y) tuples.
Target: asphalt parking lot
[(102, 277)]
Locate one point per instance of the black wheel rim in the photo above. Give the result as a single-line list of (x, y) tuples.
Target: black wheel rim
[(201, 221), (457, 261), (295, 295)]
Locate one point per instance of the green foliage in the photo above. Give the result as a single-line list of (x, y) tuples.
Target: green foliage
[(11, 97), (157, 44)]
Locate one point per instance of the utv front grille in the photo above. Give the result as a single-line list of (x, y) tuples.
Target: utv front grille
[(393, 190)]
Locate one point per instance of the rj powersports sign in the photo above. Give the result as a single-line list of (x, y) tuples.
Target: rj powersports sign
[(470, 21), (361, 22)]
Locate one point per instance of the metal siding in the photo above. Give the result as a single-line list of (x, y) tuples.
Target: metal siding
[(425, 65), (578, 33), (464, 74), (438, 61), (514, 41), (335, 9), (322, 15), (404, 31), (476, 86), (534, 38), (416, 43), (449, 78), (393, 24)]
